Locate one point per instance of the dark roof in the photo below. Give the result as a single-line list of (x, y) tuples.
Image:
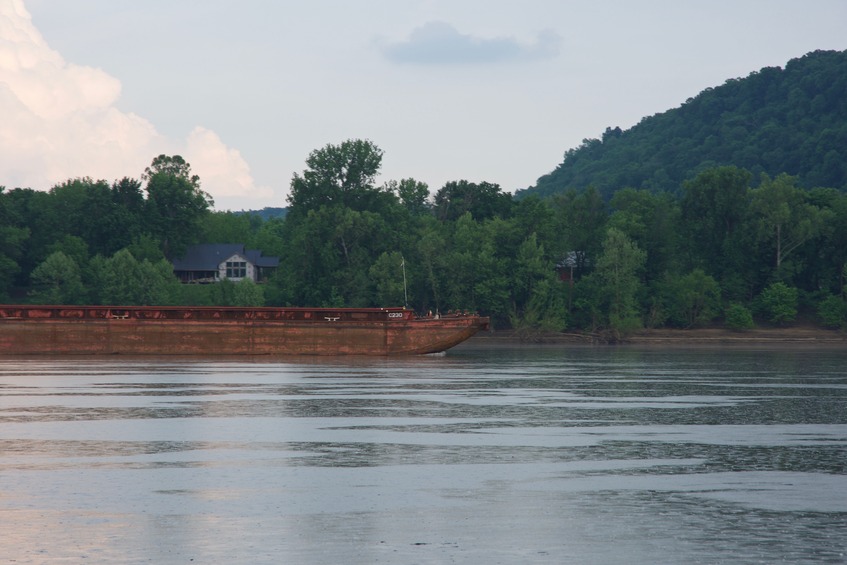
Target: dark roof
[(255, 256), (207, 257)]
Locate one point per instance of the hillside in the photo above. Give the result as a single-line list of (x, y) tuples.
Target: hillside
[(777, 120)]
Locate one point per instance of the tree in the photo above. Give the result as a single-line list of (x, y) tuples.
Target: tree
[(789, 119), (483, 201), (476, 274), (432, 249), (832, 311), (785, 219), (824, 258), (537, 302), (580, 219), (360, 237), (714, 205), (388, 277), (269, 238), (653, 222), (413, 195), (328, 254), (242, 293), (739, 318), (12, 241), (228, 227), (535, 216), (338, 226), (618, 267), (128, 213), (129, 282), (248, 294), (778, 303), (145, 247), (341, 174), (171, 165), (695, 299), (57, 280), (715, 209), (175, 204), (68, 207), (530, 268)]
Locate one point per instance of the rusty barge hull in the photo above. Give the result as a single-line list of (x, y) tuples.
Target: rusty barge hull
[(140, 330)]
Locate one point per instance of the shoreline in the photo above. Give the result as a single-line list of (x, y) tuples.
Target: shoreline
[(793, 336)]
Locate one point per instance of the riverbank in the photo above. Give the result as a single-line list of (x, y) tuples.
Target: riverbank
[(799, 335)]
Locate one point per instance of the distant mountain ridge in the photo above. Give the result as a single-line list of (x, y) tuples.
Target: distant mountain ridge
[(777, 120), (266, 213)]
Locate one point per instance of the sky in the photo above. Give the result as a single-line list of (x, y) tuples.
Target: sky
[(477, 90)]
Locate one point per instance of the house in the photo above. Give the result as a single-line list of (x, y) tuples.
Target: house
[(213, 262), (565, 268)]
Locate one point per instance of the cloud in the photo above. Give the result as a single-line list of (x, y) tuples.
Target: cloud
[(439, 43), (222, 168), (60, 121)]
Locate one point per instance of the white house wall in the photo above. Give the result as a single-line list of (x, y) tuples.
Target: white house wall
[(251, 269)]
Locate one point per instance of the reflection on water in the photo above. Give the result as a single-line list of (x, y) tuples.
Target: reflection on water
[(506, 455)]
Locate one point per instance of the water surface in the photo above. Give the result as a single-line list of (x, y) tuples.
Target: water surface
[(484, 455)]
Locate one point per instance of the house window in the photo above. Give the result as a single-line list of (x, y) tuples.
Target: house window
[(236, 269)]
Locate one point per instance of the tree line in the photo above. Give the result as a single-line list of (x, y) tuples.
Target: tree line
[(725, 248)]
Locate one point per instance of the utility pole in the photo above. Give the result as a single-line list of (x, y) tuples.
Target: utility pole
[(405, 294)]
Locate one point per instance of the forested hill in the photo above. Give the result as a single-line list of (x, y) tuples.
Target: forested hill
[(791, 120)]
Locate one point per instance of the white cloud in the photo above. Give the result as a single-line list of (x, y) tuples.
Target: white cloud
[(60, 121), (438, 43), (223, 169)]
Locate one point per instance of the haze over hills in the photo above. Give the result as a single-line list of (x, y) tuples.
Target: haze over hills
[(776, 120)]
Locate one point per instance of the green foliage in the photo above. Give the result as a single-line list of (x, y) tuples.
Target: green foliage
[(431, 250), (127, 281), (832, 312), (413, 195), (482, 201), (538, 304), (147, 248), (232, 293), (248, 293), (640, 258), (72, 246), (12, 241), (174, 209), (652, 222), (530, 268), (778, 303), (618, 268), (739, 318), (172, 166), (338, 226), (8, 269), (784, 218), (543, 313), (227, 227), (791, 120), (714, 207), (57, 280), (338, 175), (268, 238), (693, 299), (476, 276), (580, 221), (589, 303), (387, 276)]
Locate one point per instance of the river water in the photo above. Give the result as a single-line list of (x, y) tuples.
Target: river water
[(485, 455)]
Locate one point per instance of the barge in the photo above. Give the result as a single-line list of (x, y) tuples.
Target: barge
[(183, 330)]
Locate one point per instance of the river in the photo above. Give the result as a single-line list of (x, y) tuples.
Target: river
[(485, 455)]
